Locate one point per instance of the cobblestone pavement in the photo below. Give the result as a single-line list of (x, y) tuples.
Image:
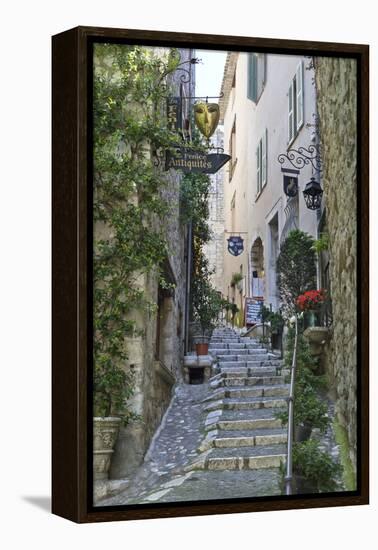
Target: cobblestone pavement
[(173, 448)]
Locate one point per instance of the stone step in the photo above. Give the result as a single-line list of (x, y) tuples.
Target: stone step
[(251, 362), (252, 381), (231, 352), (246, 458), (268, 422), (255, 391), (245, 381), (247, 372), (252, 391), (246, 403), (247, 415), (252, 438), (250, 358), (236, 346)]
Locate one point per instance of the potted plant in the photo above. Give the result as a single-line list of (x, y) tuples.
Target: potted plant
[(310, 303), (207, 305), (314, 470), (113, 386)]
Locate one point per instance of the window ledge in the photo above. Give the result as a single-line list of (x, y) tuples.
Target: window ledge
[(260, 193)]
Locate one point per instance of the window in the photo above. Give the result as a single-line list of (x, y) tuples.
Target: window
[(295, 115), (256, 75), (261, 162), (232, 149)]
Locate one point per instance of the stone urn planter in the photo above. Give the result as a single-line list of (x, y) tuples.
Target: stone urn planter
[(317, 337), (105, 433)]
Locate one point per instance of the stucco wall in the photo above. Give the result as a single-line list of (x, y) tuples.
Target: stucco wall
[(336, 84)]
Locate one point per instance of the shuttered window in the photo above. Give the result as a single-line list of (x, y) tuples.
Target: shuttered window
[(256, 75), (261, 163), (295, 112), (299, 96)]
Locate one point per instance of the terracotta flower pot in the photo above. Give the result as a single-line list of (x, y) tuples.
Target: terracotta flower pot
[(202, 349)]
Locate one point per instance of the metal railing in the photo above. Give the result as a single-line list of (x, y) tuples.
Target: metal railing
[(290, 422)]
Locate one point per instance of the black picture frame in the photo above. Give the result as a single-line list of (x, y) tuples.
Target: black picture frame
[(71, 334)]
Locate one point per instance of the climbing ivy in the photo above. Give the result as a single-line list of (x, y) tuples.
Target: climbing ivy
[(129, 91)]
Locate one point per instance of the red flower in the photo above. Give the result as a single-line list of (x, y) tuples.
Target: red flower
[(311, 299)]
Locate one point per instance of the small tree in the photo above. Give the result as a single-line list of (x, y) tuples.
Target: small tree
[(207, 303), (296, 268)]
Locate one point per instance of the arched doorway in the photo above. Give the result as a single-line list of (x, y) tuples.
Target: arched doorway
[(257, 269)]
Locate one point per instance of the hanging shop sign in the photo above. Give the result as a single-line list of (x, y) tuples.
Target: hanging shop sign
[(252, 311), (206, 116), (189, 160), (235, 245), (173, 113)]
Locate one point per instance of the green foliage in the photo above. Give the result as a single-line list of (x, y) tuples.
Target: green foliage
[(296, 268), (236, 278), (129, 91), (207, 303), (194, 194), (308, 407), (322, 243), (316, 466), (273, 317)]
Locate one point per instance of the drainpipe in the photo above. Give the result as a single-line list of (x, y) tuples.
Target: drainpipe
[(188, 283)]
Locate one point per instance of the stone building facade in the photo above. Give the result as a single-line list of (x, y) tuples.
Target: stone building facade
[(155, 355), (336, 82)]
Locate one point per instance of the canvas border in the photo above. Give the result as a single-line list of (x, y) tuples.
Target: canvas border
[(71, 270)]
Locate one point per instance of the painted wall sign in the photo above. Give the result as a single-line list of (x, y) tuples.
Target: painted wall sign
[(188, 159), (252, 311), (235, 245)]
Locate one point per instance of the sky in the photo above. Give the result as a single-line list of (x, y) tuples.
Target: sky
[(209, 73)]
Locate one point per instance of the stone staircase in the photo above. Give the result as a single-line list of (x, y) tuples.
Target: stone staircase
[(246, 392)]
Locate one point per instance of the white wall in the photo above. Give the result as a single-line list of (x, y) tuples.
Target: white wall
[(25, 276)]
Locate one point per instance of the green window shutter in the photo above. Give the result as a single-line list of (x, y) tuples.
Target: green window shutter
[(290, 115), (260, 62), (264, 158), (299, 95), (258, 168), (252, 77)]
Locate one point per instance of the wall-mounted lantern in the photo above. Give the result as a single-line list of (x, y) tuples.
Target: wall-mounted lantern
[(313, 194), (299, 158)]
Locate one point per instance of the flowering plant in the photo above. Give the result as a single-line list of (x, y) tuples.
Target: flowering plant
[(311, 299)]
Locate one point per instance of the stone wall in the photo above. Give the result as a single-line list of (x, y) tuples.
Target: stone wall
[(336, 82), (155, 377)]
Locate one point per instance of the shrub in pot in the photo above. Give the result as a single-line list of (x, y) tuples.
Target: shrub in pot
[(314, 470), (207, 304)]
